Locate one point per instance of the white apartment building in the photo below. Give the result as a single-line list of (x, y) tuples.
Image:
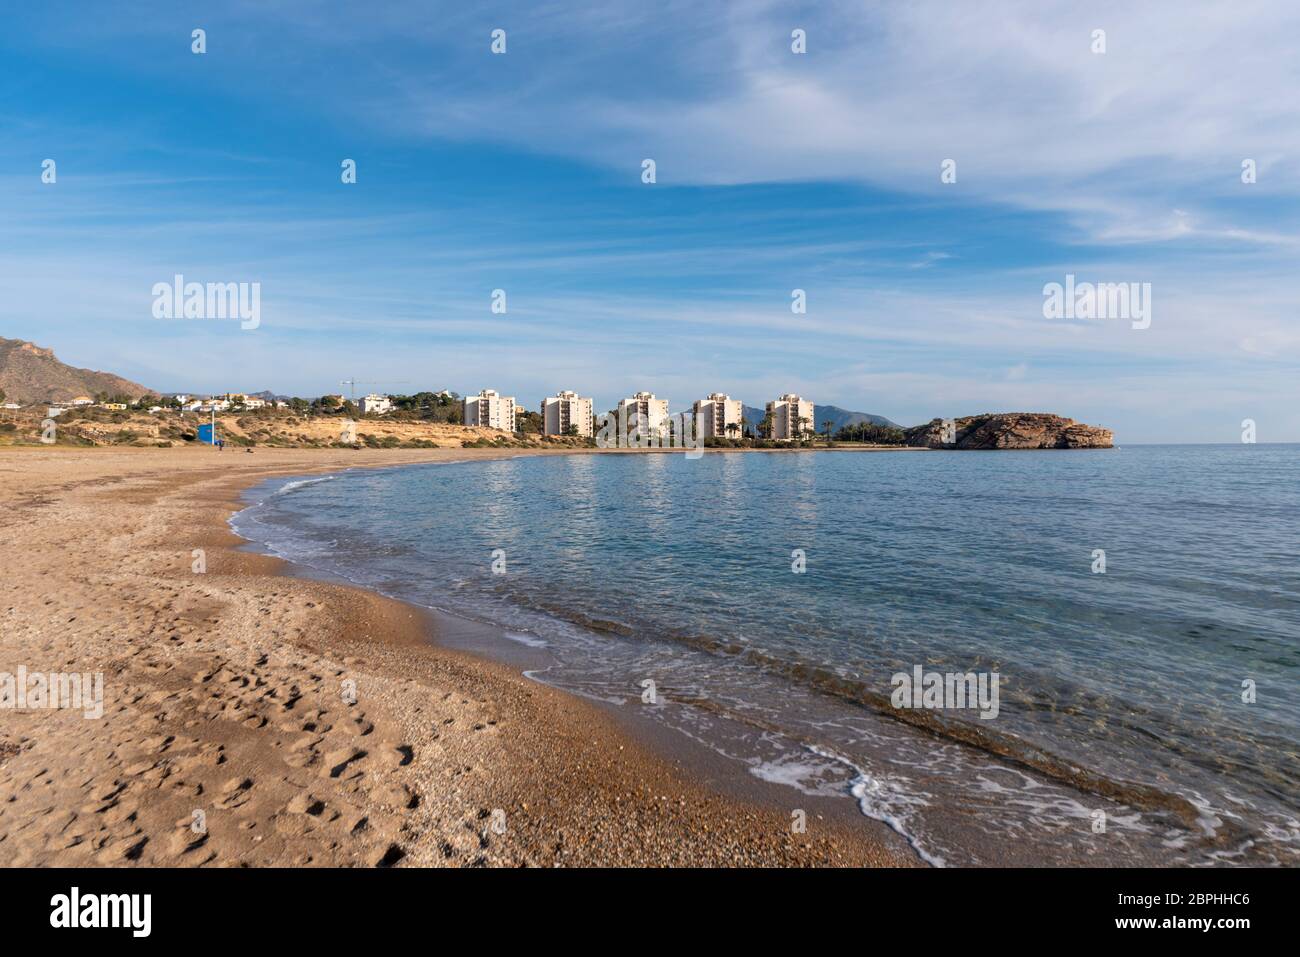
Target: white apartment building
[(490, 410), (792, 417), (652, 413), (564, 409), (714, 414), (376, 404), (206, 405)]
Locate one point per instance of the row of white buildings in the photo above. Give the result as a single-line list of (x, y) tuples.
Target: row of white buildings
[(719, 415), (372, 404), (223, 403), (226, 402)]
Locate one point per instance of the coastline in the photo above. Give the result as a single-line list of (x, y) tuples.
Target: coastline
[(224, 696)]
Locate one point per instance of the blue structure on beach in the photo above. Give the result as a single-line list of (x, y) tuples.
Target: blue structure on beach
[(207, 434)]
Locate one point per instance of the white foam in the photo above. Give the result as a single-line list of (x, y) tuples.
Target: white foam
[(300, 483), (532, 641), (878, 799), (790, 772)]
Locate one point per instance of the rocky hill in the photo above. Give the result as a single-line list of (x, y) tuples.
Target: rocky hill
[(29, 373), (1011, 430)]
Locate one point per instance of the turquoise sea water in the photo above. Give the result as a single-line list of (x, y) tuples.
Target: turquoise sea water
[(1121, 734)]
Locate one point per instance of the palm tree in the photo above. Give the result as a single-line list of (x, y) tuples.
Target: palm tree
[(732, 427), (826, 424)]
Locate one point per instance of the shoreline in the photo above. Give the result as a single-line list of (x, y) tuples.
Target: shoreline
[(486, 642), (702, 750), (222, 697)]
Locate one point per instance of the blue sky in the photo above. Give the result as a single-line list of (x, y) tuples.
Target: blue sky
[(775, 171)]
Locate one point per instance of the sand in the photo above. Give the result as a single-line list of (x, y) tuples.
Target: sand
[(251, 718)]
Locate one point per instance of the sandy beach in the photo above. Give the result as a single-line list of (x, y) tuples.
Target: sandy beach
[(255, 718)]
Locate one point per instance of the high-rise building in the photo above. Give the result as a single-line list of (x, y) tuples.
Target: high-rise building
[(490, 410), (563, 410), (792, 417), (714, 414), (651, 413)]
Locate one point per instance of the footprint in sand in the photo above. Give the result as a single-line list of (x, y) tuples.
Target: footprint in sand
[(342, 761)]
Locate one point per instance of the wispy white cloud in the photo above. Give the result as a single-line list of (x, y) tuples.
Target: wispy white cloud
[(1011, 90)]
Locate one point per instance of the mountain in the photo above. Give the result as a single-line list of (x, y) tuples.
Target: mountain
[(842, 417), (839, 417), (29, 373)]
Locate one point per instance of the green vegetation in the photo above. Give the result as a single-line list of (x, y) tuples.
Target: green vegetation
[(717, 442), (442, 407), (529, 423), (871, 434)]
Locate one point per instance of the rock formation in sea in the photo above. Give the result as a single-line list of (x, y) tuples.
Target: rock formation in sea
[(1009, 430)]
